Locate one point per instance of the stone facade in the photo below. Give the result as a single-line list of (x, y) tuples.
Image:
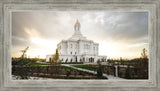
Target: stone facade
[(78, 49)]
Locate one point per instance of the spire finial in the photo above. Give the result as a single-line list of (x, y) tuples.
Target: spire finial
[(77, 22)]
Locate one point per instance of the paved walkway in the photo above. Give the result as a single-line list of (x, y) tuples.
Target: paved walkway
[(110, 77)]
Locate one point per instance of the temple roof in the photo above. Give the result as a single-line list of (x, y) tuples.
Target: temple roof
[(77, 34)]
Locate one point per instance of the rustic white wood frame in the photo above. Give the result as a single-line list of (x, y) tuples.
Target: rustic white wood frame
[(150, 6)]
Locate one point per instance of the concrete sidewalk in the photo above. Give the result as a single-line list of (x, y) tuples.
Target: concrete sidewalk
[(110, 77)]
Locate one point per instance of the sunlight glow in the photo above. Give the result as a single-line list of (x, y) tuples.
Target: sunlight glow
[(119, 49), (46, 47)]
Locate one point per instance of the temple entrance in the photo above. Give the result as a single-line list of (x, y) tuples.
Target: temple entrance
[(50, 59), (80, 60), (83, 59), (91, 60)]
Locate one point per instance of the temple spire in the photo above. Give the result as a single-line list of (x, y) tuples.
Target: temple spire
[(77, 33), (77, 26), (77, 22)]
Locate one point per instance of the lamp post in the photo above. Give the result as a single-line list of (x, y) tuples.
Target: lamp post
[(116, 69)]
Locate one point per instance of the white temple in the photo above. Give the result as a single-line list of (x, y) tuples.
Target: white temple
[(78, 49)]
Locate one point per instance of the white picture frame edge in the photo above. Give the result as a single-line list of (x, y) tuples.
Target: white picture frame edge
[(8, 6)]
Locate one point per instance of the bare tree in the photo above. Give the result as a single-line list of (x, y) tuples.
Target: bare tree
[(22, 70), (144, 53)]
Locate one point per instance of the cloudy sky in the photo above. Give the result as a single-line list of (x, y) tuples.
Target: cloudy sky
[(119, 34)]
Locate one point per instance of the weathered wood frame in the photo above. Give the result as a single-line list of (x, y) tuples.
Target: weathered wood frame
[(150, 6)]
